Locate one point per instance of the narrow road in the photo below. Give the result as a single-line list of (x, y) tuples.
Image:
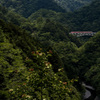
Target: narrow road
[(90, 93), (87, 94), (87, 86)]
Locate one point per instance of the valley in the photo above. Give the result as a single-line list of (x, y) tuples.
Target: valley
[(47, 49)]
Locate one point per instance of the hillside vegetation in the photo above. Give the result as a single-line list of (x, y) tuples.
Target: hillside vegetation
[(85, 19), (27, 7), (89, 63), (39, 59), (29, 69)]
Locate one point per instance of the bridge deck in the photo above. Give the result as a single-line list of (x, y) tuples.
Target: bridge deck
[(82, 33)]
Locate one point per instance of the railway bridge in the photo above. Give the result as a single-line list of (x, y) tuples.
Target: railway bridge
[(82, 33)]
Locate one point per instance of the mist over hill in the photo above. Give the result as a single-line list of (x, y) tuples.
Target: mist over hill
[(72, 5)]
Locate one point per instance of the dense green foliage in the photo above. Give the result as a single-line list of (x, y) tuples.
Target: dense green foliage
[(55, 35), (85, 19), (25, 70), (38, 57), (85, 58), (90, 60), (27, 7)]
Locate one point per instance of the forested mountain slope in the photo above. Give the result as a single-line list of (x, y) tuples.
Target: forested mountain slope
[(89, 63), (27, 7), (42, 61), (27, 70), (72, 5), (38, 24), (87, 18)]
